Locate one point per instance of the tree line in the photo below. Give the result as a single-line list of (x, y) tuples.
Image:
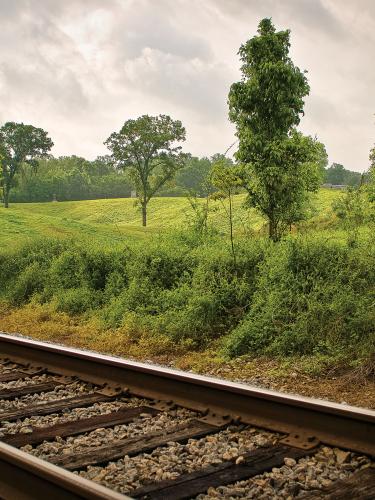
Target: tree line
[(275, 164)]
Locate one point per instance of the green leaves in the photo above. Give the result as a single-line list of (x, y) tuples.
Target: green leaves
[(148, 148), (20, 144), (279, 165)]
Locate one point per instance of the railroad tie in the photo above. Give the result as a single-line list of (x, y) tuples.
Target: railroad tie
[(192, 484), (16, 375), (360, 486), (28, 389), (40, 434), (134, 446), (55, 406)]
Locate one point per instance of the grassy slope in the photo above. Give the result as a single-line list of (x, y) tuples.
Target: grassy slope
[(112, 221)]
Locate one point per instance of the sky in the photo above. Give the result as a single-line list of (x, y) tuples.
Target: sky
[(81, 68)]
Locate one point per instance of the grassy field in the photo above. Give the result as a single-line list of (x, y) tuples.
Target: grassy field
[(114, 221)]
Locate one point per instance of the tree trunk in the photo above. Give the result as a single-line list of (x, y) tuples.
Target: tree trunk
[(144, 214), (231, 227), (6, 195), (272, 229)]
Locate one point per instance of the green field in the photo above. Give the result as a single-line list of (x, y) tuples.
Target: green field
[(113, 221)]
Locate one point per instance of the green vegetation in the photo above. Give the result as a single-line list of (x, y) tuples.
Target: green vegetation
[(71, 178), (309, 294), (117, 221), (146, 148), (339, 175), (20, 148), (202, 274), (278, 166)]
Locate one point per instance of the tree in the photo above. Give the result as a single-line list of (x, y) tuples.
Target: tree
[(194, 177), (147, 148), (224, 177), (20, 145), (279, 165)]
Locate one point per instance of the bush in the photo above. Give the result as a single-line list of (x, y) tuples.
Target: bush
[(75, 301), (300, 296), (28, 282), (313, 296)]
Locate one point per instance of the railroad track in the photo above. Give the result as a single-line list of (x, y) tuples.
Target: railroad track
[(75, 424)]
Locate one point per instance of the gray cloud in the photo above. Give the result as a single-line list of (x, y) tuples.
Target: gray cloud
[(80, 69)]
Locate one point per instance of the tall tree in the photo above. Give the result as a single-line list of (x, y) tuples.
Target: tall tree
[(20, 145), (279, 164), (147, 148)]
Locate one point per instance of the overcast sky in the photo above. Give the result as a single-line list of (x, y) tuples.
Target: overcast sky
[(80, 68)]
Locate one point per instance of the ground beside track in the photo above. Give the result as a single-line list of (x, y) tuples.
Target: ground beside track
[(292, 377)]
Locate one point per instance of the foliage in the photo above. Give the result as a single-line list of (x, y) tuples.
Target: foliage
[(312, 296), (354, 209), (225, 178), (72, 178), (147, 148), (194, 177), (306, 295), (20, 146), (279, 164), (338, 175)]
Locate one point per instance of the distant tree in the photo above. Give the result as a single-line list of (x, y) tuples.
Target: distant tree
[(279, 165), (335, 174), (20, 146), (338, 174), (194, 176), (147, 148)]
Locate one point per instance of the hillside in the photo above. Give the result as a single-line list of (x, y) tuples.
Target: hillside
[(111, 221)]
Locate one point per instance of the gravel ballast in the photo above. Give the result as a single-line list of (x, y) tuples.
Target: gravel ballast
[(170, 461), (294, 478), (62, 391)]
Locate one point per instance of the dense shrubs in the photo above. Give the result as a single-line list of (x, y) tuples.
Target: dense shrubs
[(303, 295), (312, 295)]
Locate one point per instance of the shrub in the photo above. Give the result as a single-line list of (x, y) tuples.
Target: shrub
[(28, 282), (312, 295), (76, 300)]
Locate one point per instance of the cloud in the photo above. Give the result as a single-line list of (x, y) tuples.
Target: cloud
[(80, 69)]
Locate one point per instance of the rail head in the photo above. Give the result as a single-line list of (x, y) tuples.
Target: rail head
[(332, 423), (26, 477)]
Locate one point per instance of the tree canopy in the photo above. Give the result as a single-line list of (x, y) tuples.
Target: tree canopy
[(20, 145), (338, 174), (148, 148), (279, 165)]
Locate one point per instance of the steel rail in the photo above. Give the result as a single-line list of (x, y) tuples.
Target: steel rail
[(24, 477), (299, 417)]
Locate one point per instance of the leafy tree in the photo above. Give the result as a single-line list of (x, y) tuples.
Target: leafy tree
[(72, 178), (353, 208), (279, 165), (20, 145), (147, 148), (194, 177), (335, 174)]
